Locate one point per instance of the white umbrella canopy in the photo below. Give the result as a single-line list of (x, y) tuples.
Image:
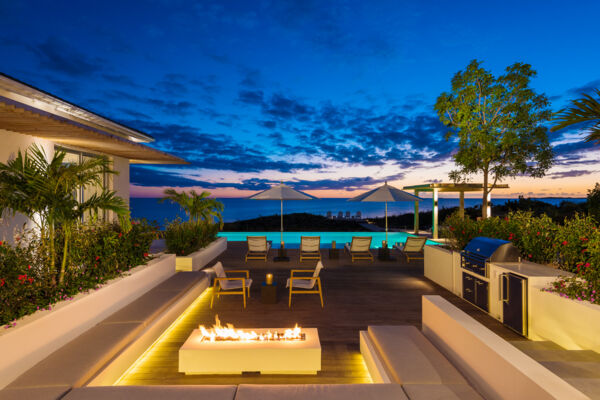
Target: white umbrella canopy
[(385, 194), (281, 192)]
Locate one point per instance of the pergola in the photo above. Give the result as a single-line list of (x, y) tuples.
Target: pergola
[(436, 188)]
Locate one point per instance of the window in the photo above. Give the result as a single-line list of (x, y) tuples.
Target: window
[(83, 194)]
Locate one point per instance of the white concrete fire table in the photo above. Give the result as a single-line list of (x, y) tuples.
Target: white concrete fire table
[(198, 356)]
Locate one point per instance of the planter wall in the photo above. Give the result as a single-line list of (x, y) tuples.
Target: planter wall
[(38, 335), (443, 267), (571, 324), (202, 257)]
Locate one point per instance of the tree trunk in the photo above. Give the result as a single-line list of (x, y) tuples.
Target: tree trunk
[(52, 266), (484, 206), (63, 265)]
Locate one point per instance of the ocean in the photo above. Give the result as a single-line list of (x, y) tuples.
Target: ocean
[(241, 209)]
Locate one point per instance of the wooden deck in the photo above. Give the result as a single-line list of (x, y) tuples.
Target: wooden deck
[(356, 295)]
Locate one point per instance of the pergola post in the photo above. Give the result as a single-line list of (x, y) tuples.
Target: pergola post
[(461, 205), (416, 218), (434, 226), (489, 207)]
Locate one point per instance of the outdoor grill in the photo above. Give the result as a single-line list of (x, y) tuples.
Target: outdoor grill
[(482, 250)]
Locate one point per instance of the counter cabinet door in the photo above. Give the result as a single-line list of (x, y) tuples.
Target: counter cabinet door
[(468, 282)]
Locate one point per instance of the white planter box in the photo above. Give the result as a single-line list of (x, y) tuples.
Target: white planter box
[(571, 324), (443, 267), (38, 335), (202, 257)]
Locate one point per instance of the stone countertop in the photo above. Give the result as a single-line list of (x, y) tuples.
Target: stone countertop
[(531, 270)]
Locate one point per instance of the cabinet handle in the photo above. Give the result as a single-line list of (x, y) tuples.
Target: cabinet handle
[(479, 283), (505, 279), (468, 290), (468, 278)]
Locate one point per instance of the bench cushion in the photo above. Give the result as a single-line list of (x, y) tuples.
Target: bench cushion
[(183, 392), (410, 358), (441, 392), (34, 393), (387, 391)]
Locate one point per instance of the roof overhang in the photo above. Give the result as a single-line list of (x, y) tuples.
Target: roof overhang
[(453, 187), (27, 110)]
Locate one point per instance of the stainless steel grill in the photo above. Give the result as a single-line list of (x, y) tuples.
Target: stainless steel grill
[(481, 251)]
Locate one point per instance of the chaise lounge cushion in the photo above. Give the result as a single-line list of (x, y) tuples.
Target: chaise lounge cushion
[(441, 392), (410, 358), (388, 391), (184, 392)]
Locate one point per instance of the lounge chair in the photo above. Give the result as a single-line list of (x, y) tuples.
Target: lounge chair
[(229, 285), (310, 248), (340, 215), (258, 248), (329, 216), (348, 215), (359, 248), (412, 249), (358, 215), (305, 284)]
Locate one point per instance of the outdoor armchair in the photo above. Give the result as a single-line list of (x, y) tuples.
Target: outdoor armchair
[(224, 285), (305, 284), (412, 248), (310, 248), (258, 248), (359, 248)]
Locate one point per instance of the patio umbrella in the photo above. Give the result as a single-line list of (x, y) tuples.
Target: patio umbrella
[(385, 194), (281, 192)]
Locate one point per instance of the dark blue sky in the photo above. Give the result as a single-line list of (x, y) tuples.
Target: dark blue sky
[(326, 95)]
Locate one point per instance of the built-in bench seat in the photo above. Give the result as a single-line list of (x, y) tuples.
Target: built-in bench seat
[(79, 360), (411, 360), (324, 392), (182, 392)]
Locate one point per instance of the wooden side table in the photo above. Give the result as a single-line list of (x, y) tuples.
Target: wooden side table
[(281, 255), (268, 293), (383, 254), (334, 254)]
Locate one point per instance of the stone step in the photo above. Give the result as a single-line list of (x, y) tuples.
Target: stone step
[(525, 345)]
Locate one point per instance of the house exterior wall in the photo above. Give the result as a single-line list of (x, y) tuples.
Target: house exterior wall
[(11, 143)]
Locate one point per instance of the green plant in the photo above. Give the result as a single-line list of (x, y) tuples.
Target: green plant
[(186, 237), (42, 190), (584, 110), (499, 124), (198, 207), (99, 252)]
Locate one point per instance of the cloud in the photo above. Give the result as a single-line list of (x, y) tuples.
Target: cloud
[(58, 55), (214, 151), (587, 88), (251, 96), (122, 80), (570, 174)]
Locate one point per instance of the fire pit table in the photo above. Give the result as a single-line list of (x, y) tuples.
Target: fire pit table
[(273, 354)]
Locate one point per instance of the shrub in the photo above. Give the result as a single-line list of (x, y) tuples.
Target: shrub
[(98, 252), (183, 238)]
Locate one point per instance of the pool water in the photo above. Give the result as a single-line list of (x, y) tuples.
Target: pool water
[(292, 239)]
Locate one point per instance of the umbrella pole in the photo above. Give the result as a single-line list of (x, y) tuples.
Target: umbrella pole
[(386, 228), (281, 241)]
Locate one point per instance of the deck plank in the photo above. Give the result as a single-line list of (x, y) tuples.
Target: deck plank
[(356, 295)]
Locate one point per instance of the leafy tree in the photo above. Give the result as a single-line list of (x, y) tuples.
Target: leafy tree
[(198, 207), (593, 202), (43, 190), (584, 110), (498, 121)]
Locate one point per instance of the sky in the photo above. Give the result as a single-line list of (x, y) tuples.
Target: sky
[(332, 97)]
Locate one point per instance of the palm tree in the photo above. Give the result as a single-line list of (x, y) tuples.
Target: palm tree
[(198, 207), (44, 191), (586, 109)]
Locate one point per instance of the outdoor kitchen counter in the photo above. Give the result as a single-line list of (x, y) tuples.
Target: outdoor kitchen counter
[(530, 270)]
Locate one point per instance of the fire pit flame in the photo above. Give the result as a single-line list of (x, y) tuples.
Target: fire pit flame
[(228, 333)]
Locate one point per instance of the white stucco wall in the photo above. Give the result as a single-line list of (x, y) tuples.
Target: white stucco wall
[(120, 182), (10, 144)]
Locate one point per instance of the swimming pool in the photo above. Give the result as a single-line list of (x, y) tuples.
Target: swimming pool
[(292, 239)]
